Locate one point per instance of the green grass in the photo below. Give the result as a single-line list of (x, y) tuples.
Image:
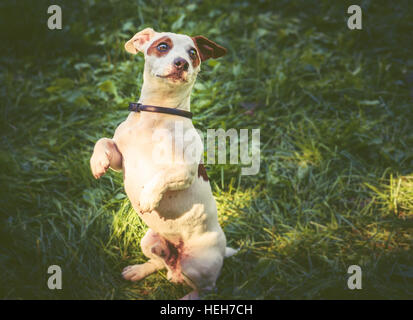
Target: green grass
[(335, 111)]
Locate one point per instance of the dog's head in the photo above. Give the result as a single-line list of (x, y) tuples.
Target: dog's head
[(170, 58)]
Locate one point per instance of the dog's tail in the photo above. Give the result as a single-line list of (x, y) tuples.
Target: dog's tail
[(230, 252)]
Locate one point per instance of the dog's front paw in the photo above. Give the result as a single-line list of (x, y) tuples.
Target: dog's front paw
[(99, 163), (149, 198)]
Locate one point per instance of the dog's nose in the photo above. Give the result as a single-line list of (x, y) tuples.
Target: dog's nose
[(181, 64)]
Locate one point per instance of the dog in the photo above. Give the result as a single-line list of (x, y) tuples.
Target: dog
[(172, 197)]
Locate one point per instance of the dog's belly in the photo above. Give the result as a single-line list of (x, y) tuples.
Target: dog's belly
[(181, 215)]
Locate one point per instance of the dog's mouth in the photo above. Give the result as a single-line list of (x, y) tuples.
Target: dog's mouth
[(174, 76)]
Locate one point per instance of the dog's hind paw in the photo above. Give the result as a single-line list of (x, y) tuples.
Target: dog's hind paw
[(137, 272)]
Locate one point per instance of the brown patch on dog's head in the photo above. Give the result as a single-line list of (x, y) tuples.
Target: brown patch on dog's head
[(153, 50), (202, 172), (207, 48)]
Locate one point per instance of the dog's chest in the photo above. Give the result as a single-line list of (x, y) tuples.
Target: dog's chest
[(138, 150), (147, 149)]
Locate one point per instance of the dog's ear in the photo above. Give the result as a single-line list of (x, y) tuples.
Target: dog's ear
[(208, 49), (138, 41)]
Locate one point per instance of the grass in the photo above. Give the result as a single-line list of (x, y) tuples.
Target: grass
[(335, 111)]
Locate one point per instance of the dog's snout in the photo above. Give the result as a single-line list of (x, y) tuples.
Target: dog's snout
[(181, 64)]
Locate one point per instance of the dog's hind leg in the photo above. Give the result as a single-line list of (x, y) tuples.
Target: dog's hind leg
[(201, 272), (204, 271), (152, 247)]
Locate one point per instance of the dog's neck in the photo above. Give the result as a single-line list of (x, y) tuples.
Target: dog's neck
[(157, 93)]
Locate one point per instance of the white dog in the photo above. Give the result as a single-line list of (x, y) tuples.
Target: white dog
[(173, 197)]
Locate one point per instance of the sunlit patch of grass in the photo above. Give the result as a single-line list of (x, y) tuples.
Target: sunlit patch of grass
[(126, 231), (396, 195), (232, 202)]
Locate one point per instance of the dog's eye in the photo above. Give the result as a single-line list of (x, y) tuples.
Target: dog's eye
[(163, 46), (192, 53)]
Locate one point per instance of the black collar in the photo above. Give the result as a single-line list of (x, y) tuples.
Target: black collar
[(137, 107)]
